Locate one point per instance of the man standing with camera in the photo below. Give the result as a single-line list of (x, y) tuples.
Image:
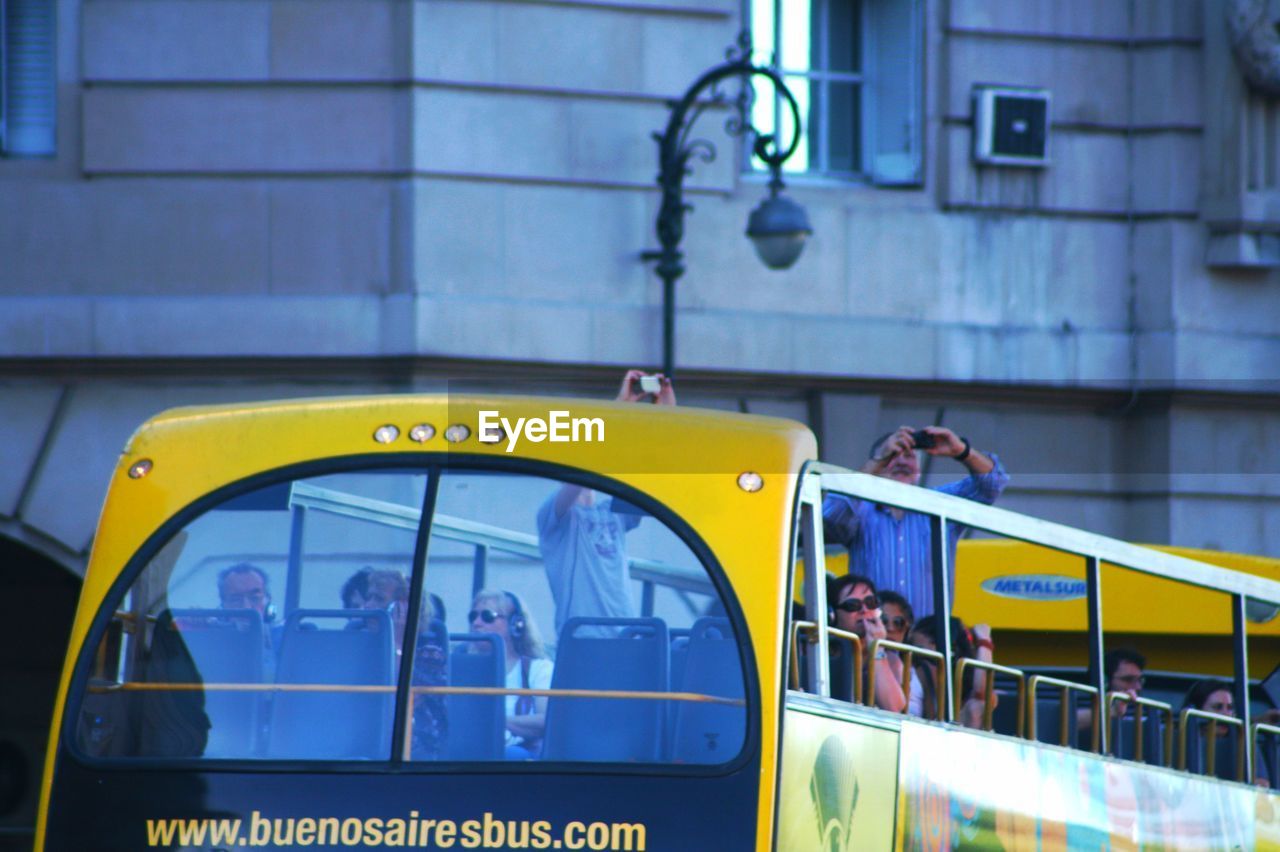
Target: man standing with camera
[(891, 545), (582, 534)]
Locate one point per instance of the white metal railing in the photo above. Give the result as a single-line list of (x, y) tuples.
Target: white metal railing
[(1094, 549)]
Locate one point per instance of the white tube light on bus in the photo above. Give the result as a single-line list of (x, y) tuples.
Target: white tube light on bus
[(457, 433), (422, 433), (386, 434), (750, 481)]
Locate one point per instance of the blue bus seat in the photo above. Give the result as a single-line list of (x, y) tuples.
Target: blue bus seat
[(710, 733), (1123, 741), (334, 725), (1004, 716), (608, 729), (1224, 761), (477, 723), (840, 654), (679, 655), (1048, 719), (227, 647)]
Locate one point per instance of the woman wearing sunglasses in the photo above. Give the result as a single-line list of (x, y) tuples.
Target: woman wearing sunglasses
[(973, 643), (503, 614), (898, 616), (857, 610)]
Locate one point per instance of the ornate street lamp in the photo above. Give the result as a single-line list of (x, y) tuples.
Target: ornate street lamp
[(778, 227)]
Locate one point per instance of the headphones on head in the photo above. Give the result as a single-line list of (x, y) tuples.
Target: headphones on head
[(515, 621)]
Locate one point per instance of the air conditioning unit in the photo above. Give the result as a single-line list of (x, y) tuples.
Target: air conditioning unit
[(1011, 126)]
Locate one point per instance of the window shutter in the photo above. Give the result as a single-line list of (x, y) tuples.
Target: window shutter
[(28, 96), (894, 128)]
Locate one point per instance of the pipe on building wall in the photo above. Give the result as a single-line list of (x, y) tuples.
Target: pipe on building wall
[(1255, 43)]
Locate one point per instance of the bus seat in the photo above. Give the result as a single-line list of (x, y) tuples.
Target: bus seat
[(1268, 765), (1224, 760), (334, 725), (710, 733), (679, 655), (1048, 718), (1123, 742), (477, 723), (1004, 716), (227, 647), (841, 679), (712, 626), (608, 729)]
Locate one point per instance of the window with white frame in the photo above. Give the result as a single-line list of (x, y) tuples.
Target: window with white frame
[(28, 85), (855, 69)]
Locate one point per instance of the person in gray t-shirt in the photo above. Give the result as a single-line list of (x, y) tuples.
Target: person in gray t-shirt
[(582, 536)]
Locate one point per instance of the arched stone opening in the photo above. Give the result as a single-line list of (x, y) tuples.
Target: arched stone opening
[(36, 610)]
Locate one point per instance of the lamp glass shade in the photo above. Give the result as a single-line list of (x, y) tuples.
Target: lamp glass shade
[(778, 228), (780, 251)]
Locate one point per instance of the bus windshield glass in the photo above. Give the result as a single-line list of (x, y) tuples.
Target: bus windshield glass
[(320, 618)]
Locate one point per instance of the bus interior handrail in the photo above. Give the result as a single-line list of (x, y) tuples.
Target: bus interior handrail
[(798, 627), (1139, 719), (989, 691), (811, 629), (908, 653), (855, 642), (1066, 717), (1209, 741), (385, 689), (473, 533), (1048, 534)]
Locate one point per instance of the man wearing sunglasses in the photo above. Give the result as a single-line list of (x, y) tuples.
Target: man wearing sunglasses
[(857, 610), (892, 546)]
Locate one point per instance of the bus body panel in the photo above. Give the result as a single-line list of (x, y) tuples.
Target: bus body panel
[(686, 459), (854, 779), (994, 792), (108, 810), (838, 785)]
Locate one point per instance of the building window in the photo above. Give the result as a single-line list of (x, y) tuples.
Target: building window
[(854, 67), (28, 86)]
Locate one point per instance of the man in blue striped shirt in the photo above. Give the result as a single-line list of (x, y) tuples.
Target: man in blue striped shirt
[(890, 545)]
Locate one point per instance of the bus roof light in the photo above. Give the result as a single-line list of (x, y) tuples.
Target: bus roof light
[(457, 433), (422, 433), (140, 468), (750, 481), (386, 434)]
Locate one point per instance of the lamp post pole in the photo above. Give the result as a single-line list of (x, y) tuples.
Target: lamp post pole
[(676, 148)]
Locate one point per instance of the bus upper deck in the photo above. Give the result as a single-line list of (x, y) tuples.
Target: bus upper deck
[(354, 622)]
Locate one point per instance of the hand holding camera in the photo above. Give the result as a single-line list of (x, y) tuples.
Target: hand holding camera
[(639, 386), (934, 440)]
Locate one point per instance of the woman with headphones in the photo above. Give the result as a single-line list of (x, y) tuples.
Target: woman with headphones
[(503, 614)]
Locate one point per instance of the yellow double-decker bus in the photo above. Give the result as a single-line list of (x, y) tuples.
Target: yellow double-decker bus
[(515, 623)]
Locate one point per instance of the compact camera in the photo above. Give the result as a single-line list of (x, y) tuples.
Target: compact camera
[(923, 440), (646, 384)]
